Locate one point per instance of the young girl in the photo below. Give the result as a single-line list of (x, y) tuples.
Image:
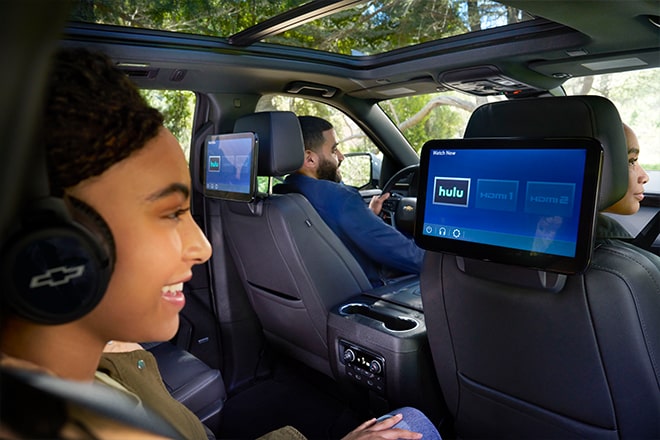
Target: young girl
[(107, 149)]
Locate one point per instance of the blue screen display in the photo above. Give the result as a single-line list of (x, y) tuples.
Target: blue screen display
[(230, 165), (517, 198)]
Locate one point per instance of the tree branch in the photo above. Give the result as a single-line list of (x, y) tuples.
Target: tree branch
[(436, 102)]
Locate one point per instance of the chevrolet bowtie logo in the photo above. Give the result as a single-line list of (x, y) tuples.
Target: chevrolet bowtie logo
[(407, 208), (57, 276)]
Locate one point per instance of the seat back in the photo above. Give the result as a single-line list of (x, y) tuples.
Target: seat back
[(520, 358), (294, 268)]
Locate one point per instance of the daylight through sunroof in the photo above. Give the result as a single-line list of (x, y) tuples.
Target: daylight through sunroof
[(381, 26), (370, 28)]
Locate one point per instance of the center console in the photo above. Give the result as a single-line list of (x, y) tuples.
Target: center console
[(378, 343)]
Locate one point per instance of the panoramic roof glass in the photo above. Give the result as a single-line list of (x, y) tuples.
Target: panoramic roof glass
[(346, 27), (376, 27)]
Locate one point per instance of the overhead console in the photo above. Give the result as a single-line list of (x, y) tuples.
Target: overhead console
[(486, 81)]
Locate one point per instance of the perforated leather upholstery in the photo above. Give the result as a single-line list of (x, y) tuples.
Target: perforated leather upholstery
[(294, 268), (521, 361)]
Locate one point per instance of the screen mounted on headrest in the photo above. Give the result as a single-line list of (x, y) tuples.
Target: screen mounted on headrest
[(230, 166), (525, 202)]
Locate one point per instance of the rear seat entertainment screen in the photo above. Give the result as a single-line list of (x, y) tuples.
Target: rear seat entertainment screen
[(230, 166), (525, 202)]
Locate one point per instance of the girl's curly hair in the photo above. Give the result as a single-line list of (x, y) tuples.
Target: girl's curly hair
[(94, 117)]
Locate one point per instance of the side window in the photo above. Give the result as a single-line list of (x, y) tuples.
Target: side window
[(362, 157), (178, 109)]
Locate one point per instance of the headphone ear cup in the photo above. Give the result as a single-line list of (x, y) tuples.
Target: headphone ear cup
[(87, 217), (58, 267)]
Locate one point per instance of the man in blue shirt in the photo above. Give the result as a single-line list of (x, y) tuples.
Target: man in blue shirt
[(381, 250)]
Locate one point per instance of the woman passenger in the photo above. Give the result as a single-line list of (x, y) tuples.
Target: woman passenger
[(607, 227)]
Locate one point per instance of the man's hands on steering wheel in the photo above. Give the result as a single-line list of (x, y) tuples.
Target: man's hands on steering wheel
[(399, 209), (376, 202)]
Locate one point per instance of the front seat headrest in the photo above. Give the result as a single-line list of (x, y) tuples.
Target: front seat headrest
[(563, 116), (281, 148)]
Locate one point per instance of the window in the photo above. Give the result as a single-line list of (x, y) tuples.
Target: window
[(442, 115), (178, 109), (351, 139), (365, 28), (636, 95)]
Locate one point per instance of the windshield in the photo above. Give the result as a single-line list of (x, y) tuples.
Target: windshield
[(441, 115), (636, 95)]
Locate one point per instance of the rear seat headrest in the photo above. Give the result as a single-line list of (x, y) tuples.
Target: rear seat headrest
[(281, 148), (590, 116)]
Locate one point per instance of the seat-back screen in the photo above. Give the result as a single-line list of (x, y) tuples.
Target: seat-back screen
[(230, 166), (527, 202)]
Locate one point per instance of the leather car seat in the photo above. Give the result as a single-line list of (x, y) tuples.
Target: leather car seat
[(526, 354), (294, 268), (191, 381)]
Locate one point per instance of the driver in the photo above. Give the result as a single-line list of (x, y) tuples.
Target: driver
[(381, 250)]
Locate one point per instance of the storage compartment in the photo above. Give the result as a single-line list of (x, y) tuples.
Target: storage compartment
[(379, 349), (404, 292), (391, 322), (377, 345)]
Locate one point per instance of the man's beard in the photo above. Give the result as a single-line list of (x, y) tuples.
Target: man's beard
[(327, 170)]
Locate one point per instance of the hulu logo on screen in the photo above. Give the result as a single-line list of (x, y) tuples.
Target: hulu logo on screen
[(214, 163), (451, 191)]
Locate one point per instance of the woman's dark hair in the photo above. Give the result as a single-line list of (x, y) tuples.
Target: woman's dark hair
[(94, 117)]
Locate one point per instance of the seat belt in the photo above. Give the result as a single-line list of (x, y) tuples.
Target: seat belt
[(36, 405)]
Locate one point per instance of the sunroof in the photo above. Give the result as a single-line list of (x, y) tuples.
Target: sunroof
[(381, 26), (356, 28)]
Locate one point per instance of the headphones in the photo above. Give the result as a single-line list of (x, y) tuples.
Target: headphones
[(57, 266)]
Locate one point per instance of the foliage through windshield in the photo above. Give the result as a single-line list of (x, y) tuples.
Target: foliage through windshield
[(444, 115)]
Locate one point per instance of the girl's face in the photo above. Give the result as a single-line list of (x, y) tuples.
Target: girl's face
[(145, 201)]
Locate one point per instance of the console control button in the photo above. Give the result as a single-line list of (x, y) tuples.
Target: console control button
[(375, 367)]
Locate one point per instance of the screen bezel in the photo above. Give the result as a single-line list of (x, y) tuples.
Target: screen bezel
[(524, 258), (232, 195)]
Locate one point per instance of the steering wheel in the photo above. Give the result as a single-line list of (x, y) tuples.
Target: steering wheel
[(399, 209)]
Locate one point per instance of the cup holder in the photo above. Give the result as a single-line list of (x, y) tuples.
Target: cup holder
[(393, 323)]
